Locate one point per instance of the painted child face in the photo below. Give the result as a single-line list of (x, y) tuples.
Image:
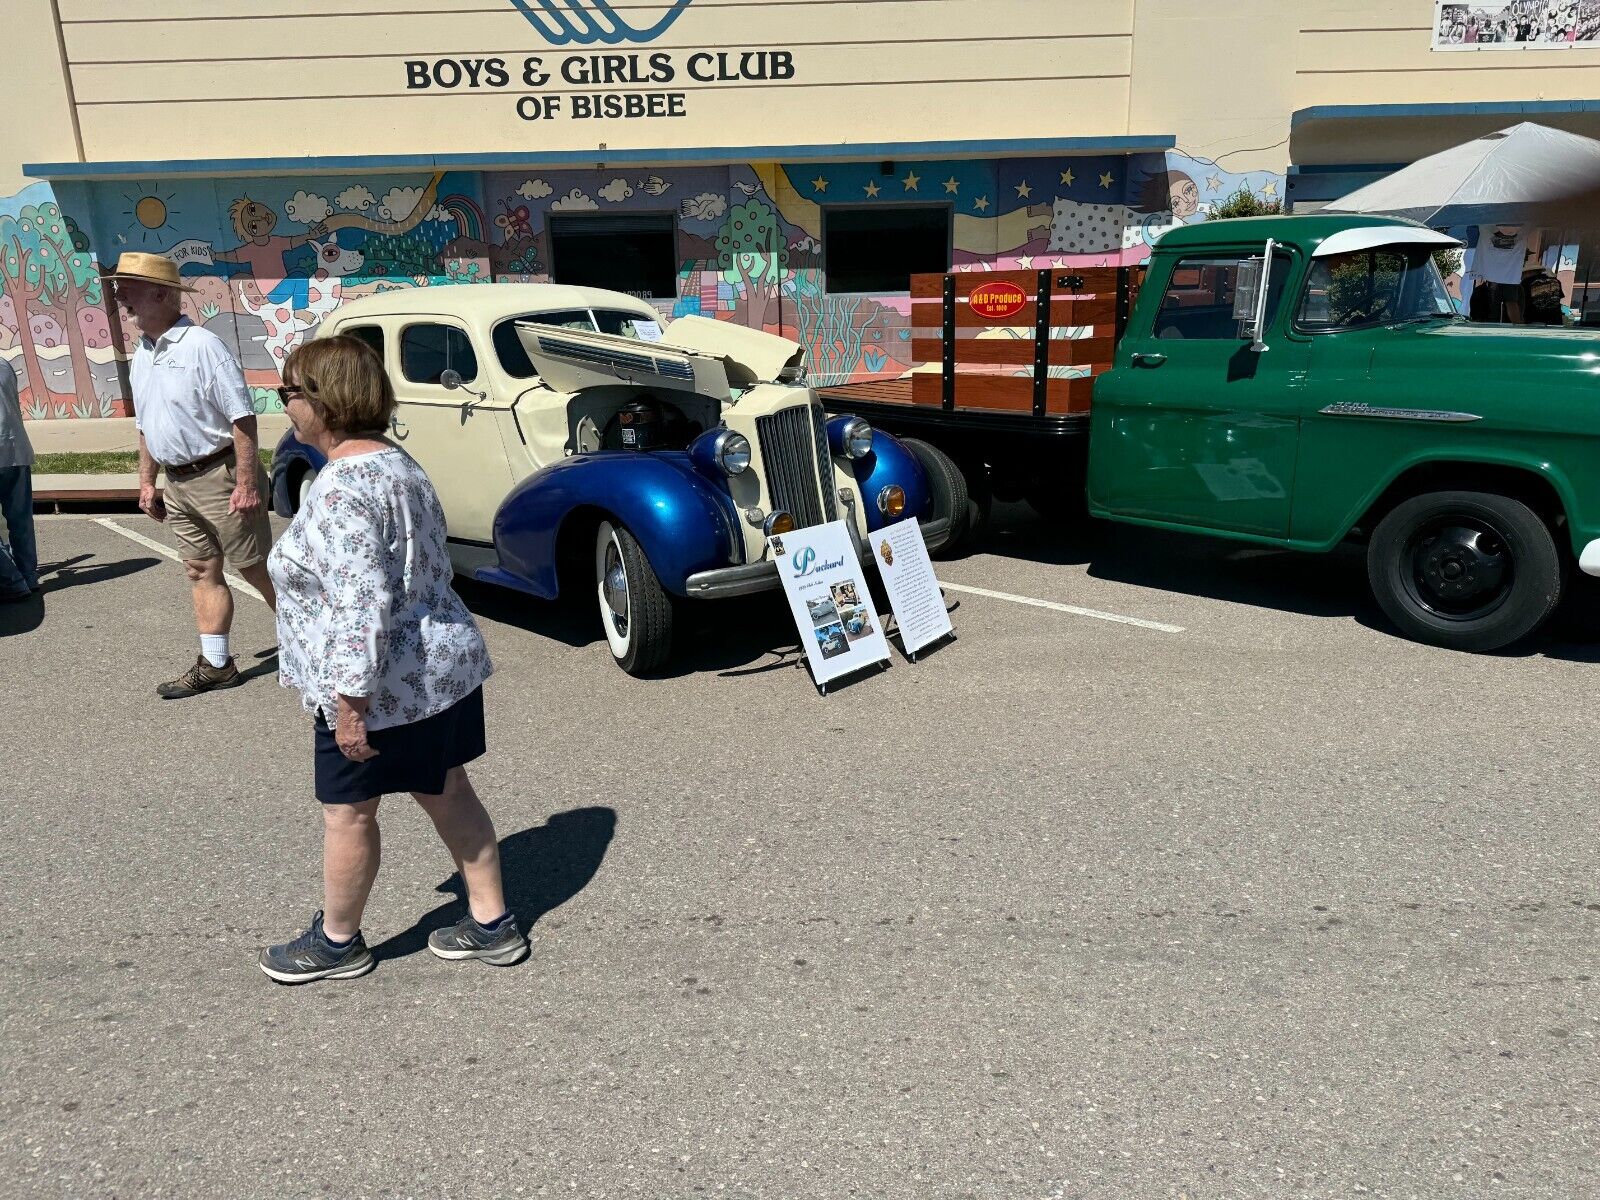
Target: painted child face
[(1185, 198)]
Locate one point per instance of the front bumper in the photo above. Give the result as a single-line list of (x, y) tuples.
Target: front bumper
[(762, 576)]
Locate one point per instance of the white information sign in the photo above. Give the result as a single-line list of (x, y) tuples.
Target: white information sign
[(647, 331), (828, 594), (912, 586)]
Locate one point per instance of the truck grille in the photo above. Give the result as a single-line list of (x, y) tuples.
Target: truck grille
[(794, 450)]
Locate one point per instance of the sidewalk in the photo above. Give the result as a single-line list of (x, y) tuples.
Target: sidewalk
[(102, 434)]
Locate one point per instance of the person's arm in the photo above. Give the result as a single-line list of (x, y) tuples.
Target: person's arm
[(246, 498), (150, 503), (353, 567), (231, 394)]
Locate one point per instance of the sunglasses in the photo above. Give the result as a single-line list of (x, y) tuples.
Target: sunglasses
[(288, 392)]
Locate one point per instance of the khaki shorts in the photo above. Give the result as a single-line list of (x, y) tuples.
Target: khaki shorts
[(197, 514)]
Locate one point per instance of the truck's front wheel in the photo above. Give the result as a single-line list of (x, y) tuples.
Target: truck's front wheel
[(1467, 570), (634, 608)]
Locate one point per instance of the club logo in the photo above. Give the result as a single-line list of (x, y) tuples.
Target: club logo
[(803, 560), (585, 22)]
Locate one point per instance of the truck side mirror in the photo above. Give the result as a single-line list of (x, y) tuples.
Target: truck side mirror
[(1253, 282)]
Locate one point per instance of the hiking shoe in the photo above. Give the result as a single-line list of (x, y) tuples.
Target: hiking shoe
[(202, 677), (467, 939), (311, 956)]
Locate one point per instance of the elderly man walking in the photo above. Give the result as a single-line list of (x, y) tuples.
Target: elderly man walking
[(19, 556), (197, 424)]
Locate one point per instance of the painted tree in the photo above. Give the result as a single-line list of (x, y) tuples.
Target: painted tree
[(752, 252), (45, 260), (22, 278)]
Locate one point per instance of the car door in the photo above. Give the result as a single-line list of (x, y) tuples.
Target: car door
[(1203, 430), (454, 433)]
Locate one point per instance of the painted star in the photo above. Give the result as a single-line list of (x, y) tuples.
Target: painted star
[(1105, 179), (1214, 184), (910, 181), (981, 204), (952, 185), (1270, 188), (872, 190), (1025, 262), (1066, 177), (1023, 190), (820, 184)]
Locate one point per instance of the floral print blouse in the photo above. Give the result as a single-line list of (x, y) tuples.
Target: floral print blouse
[(365, 603)]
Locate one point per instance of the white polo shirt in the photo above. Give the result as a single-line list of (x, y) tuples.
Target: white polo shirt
[(188, 390)]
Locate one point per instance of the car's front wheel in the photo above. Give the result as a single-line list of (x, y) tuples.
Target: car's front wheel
[(635, 609), (1467, 570)]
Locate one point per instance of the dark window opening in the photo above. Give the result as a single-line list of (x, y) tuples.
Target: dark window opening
[(1198, 302), (372, 335), (878, 250), (636, 253), (428, 351)]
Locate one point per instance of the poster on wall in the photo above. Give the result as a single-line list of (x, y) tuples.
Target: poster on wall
[(828, 595), (913, 589), (1516, 25)]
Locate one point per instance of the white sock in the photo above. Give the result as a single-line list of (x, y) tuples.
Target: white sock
[(214, 648)]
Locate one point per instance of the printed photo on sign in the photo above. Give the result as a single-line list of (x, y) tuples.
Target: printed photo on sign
[(822, 610), (1516, 25), (831, 640), (857, 623), (844, 594)]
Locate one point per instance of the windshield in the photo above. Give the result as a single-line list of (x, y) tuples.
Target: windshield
[(1380, 286), (514, 359)]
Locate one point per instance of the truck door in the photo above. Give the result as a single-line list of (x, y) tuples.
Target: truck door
[(1196, 428)]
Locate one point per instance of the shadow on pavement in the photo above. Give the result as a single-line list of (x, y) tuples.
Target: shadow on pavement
[(70, 574), (542, 868)]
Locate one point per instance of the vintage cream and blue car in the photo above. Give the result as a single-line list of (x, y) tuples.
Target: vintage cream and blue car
[(576, 445)]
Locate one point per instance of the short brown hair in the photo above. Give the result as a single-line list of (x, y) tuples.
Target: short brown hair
[(344, 378)]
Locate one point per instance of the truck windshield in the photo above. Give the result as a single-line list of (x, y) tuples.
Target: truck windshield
[(514, 359), (1380, 286)]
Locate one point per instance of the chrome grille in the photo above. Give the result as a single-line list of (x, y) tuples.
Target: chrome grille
[(794, 450)]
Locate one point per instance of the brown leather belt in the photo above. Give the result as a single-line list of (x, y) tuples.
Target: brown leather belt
[(200, 465)]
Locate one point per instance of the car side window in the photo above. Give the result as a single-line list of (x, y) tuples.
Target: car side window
[(372, 335), (427, 351), (1198, 301)]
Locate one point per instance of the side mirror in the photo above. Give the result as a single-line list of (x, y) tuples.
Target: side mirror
[(1253, 283), (450, 379)]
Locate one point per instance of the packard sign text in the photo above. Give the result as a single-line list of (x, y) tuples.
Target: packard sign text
[(556, 87)]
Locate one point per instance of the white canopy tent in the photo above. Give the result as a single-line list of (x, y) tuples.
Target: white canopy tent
[(1527, 174)]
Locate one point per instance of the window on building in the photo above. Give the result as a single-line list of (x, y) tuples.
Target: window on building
[(372, 335), (635, 253), (878, 250), (1198, 302), (428, 351)]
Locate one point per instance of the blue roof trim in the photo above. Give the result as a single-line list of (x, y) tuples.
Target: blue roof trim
[(1488, 108), (1345, 168), (851, 152)]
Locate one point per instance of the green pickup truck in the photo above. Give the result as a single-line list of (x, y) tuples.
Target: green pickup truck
[(1344, 399), (1295, 381)]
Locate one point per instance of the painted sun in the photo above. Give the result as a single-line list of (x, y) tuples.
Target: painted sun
[(151, 214)]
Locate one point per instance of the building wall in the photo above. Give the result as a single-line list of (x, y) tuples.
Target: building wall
[(273, 249)]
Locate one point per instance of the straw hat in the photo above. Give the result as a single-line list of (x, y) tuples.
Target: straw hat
[(148, 268)]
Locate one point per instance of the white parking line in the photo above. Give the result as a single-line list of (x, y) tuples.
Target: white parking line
[(1070, 609), (234, 581)]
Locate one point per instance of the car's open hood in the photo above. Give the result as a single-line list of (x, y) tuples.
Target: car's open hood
[(710, 358)]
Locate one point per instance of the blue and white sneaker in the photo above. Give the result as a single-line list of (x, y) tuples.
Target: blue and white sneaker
[(312, 956), (501, 947)]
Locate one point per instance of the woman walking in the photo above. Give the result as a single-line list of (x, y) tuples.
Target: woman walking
[(388, 660)]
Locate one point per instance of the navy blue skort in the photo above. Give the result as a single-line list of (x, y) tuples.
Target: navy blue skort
[(411, 758)]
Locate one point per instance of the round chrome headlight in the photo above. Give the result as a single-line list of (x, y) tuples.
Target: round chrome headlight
[(778, 522), (856, 438), (892, 500), (732, 452)]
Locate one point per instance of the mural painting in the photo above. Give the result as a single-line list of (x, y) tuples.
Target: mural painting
[(270, 258)]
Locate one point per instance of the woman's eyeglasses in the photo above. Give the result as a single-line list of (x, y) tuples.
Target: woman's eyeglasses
[(288, 392)]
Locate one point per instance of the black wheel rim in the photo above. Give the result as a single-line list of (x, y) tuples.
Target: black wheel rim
[(1458, 567)]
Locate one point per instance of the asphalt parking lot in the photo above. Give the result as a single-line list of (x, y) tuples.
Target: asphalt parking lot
[(1267, 902)]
